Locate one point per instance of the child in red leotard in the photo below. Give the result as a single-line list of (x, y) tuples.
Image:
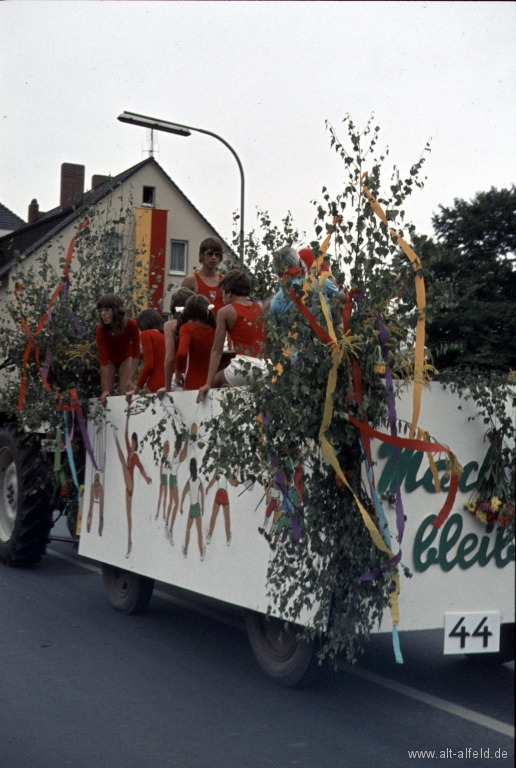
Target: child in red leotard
[(244, 321), (196, 334), (177, 302), (152, 376), (118, 343)]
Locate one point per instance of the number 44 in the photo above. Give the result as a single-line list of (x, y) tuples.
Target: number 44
[(472, 632), (482, 630)]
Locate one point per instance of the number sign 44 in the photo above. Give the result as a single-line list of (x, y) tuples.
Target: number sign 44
[(472, 632)]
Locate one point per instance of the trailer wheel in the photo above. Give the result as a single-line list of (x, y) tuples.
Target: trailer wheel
[(281, 655), (25, 500), (126, 591)]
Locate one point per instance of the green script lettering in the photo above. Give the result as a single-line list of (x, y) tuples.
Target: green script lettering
[(409, 464), (503, 539), (463, 482), (467, 544), (422, 542), (448, 540), (503, 550)]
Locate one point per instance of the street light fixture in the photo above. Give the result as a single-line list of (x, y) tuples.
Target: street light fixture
[(185, 130)]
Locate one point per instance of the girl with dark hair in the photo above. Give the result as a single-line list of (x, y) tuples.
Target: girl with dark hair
[(152, 376), (118, 343), (128, 466), (196, 333), (177, 302), (194, 486)]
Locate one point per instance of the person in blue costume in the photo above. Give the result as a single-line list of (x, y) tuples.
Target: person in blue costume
[(289, 264)]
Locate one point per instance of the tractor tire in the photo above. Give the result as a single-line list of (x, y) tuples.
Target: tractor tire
[(25, 499), (126, 591), (284, 657)]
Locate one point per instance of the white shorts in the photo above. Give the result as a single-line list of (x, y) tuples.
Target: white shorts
[(239, 374)]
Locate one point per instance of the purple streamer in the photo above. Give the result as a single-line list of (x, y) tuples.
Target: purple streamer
[(384, 337)]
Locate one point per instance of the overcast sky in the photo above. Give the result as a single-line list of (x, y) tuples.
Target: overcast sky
[(265, 76)]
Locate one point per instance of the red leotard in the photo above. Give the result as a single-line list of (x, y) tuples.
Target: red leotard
[(153, 371), (132, 461), (212, 293), (248, 333), (196, 342), (117, 348)]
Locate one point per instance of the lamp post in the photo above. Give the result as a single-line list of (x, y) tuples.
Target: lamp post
[(185, 130)]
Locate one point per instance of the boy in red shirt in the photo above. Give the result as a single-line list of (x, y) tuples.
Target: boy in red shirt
[(206, 280)]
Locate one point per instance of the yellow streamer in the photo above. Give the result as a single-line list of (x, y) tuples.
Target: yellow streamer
[(423, 435), (419, 353), (327, 448)]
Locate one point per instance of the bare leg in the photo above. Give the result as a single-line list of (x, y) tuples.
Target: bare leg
[(174, 495), (220, 380), (187, 538), (225, 509), (199, 535), (128, 506), (125, 375), (215, 512), (161, 488), (107, 380)]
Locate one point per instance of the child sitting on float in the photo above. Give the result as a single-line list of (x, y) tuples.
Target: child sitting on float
[(152, 376), (196, 334), (177, 302), (118, 343)]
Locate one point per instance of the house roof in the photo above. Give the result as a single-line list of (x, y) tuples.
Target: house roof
[(8, 219), (31, 237)]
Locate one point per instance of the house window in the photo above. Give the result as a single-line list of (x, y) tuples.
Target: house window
[(113, 245), (149, 195), (178, 256)]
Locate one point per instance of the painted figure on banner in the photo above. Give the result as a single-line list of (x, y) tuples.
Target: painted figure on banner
[(164, 468), (195, 488), (96, 502), (128, 466), (221, 500), (179, 455), (272, 496)]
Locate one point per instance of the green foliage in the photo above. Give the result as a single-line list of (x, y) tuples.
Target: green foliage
[(103, 262), (472, 283), (269, 432)]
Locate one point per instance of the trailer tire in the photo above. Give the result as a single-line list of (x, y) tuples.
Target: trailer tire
[(280, 653), (25, 499), (126, 591)]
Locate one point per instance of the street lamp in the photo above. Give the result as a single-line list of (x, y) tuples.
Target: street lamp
[(185, 130)]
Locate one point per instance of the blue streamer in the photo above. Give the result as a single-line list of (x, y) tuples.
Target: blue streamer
[(384, 525), (396, 645)]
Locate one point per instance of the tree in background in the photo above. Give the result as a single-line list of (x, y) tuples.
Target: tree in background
[(472, 282)]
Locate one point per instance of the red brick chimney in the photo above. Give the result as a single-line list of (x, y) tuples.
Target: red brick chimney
[(33, 212), (97, 180), (72, 184)]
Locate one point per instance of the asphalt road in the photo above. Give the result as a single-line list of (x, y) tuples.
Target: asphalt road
[(84, 686)]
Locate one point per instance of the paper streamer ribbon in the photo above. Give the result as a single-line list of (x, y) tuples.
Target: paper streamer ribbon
[(419, 352), (32, 336)]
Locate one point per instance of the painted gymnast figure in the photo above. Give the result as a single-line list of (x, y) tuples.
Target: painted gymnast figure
[(128, 465)]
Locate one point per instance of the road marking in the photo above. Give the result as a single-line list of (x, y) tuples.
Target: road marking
[(433, 701), (385, 682)]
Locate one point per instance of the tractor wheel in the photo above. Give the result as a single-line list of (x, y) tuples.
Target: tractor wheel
[(25, 499)]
